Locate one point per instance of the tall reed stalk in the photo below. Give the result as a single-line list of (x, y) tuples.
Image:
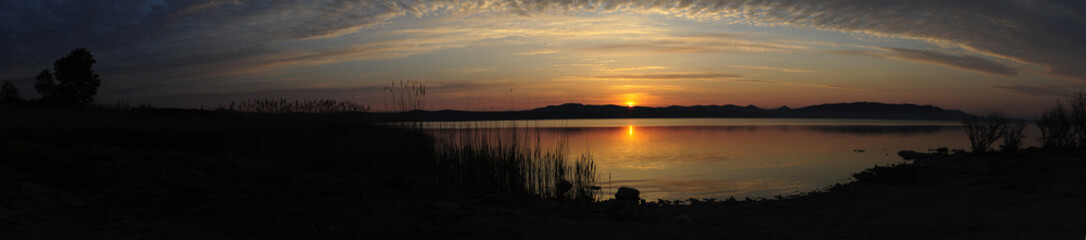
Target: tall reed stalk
[(508, 159), (407, 97), (296, 106), (514, 160)]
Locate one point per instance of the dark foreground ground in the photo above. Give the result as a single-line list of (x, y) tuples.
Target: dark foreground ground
[(100, 189)]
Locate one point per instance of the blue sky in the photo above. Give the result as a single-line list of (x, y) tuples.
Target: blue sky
[(972, 55)]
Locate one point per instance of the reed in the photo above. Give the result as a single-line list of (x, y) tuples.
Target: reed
[(404, 96), (498, 159), (514, 160), (296, 106)]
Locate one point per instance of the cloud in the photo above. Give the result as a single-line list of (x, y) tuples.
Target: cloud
[(627, 69), (788, 70), (188, 45), (474, 70), (845, 87), (538, 52), (1038, 91), (963, 62), (704, 76), (715, 43), (168, 46), (1045, 33), (809, 84), (673, 76), (171, 43), (969, 63)]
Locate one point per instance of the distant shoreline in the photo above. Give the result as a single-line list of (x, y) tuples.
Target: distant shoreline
[(694, 122), (856, 110)]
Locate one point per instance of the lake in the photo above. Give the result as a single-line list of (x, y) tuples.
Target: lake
[(733, 157)]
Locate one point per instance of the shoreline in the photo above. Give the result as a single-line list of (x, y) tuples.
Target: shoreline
[(957, 196), (96, 186)]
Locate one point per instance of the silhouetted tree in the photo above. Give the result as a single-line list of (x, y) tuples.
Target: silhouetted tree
[(1012, 136), (9, 93), (1056, 127), (72, 81), (1078, 119), (984, 130), (44, 84)]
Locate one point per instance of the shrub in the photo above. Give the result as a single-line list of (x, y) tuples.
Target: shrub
[(1056, 127), (1012, 136), (984, 130), (1077, 119)]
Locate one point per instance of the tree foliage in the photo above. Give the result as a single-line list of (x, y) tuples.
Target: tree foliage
[(9, 93), (72, 81), (45, 84)]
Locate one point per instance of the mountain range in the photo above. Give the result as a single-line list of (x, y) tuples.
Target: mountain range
[(855, 110)]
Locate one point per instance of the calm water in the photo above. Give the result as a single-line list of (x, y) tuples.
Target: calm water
[(721, 158)]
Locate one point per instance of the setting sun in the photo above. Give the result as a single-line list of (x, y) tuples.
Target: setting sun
[(630, 104)]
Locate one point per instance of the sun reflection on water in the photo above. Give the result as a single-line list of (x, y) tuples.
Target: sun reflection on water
[(700, 160)]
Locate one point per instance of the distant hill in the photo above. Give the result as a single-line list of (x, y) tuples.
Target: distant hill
[(856, 110)]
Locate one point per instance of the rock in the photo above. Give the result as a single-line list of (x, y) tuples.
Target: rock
[(625, 193), (909, 155), (563, 186)]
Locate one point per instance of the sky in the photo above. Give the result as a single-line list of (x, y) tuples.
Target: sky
[(973, 55)]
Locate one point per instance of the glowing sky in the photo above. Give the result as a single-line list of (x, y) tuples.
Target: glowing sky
[(491, 54)]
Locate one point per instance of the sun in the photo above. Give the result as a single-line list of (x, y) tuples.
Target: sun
[(630, 104)]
